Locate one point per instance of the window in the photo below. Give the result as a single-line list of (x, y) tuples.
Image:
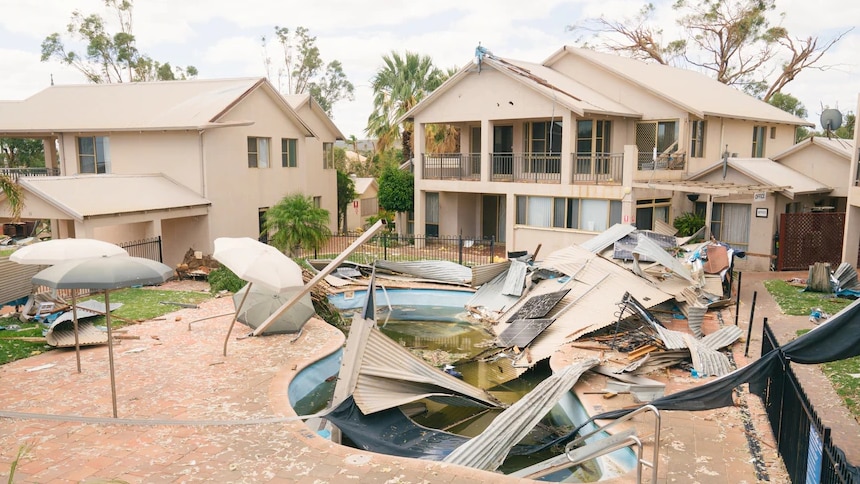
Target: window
[(592, 144), (659, 135), (568, 213), (258, 152), (317, 202), (648, 211), (328, 156), (697, 139), (758, 141), (94, 154), (543, 141), (288, 153), (431, 214), (369, 206), (730, 223)]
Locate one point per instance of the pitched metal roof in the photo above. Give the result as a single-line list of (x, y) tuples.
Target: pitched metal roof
[(84, 196), (838, 146), (135, 106), (689, 90), (780, 177)]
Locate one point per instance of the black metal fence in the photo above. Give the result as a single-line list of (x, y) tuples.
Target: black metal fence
[(463, 250), (146, 248), (804, 443)]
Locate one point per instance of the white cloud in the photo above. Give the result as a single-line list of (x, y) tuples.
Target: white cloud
[(221, 38)]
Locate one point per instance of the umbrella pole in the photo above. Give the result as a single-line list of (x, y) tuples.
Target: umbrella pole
[(236, 316), (75, 319), (110, 352)]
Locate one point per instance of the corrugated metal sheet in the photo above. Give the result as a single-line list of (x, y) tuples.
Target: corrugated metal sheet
[(488, 450), (722, 337), (436, 270), (490, 296), (607, 237), (15, 282), (662, 227), (657, 253), (595, 292), (390, 375), (515, 280), (487, 272), (672, 340), (706, 361)]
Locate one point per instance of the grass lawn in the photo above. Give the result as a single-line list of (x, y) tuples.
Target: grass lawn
[(794, 301), (844, 375), (138, 305)]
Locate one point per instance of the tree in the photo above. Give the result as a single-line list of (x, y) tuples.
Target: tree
[(13, 194), (304, 71), (791, 104), (398, 85), (297, 224), (733, 40), (396, 190), (345, 195), (22, 153), (109, 57)]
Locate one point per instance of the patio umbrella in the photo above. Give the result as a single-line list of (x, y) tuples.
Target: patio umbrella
[(260, 303), (55, 251), (257, 263), (104, 273)]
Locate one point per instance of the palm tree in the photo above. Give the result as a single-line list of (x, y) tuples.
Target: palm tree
[(399, 85), (297, 224), (13, 194)]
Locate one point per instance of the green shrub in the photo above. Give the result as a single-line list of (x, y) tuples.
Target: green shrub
[(688, 223), (223, 279)]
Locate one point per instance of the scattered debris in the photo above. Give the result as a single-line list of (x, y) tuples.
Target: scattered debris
[(182, 305), (41, 367)]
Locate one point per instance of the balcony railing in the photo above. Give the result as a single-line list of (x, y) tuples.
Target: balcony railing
[(526, 167), (446, 166), (598, 169), (15, 173), (665, 161)]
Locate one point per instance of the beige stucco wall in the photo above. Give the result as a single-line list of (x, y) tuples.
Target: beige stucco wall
[(822, 165), (238, 192)]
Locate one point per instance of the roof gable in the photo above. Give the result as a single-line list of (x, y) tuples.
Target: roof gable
[(689, 90), (139, 106), (767, 173), (572, 94), (840, 147)]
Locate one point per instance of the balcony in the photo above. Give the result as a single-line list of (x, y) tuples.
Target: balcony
[(15, 173), (451, 166), (526, 167), (597, 169), (664, 161)]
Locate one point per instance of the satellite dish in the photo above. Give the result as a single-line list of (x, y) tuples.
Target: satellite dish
[(831, 119)]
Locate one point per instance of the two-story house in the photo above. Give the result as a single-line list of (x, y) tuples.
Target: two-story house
[(188, 161), (552, 153), (851, 236)]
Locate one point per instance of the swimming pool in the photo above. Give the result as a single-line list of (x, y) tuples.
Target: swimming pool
[(311, 388)]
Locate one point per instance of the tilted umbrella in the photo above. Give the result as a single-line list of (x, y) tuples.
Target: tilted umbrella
[(257, 263), (105, 273), (260, 303), (55, 251)]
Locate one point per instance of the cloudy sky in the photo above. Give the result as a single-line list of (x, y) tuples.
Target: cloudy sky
[(222, 38)]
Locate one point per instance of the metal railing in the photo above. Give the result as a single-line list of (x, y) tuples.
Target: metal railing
[(463, 250), (664, 161), (146, 248), (15, 173), (459, 166), (526, 167), (599, 169), (805, 444)]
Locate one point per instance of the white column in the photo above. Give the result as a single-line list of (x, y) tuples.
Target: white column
[(628, 203), (567, 144), (486, 147)]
